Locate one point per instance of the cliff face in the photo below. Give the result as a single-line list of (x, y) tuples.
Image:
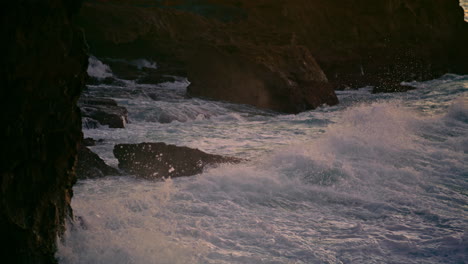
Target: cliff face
[(355, 43), (223, 60), (42, 72)]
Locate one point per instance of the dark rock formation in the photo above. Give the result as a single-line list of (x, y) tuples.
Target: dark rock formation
[(130, 70), (90, 165), (88, 142), (356, 43), (157, 160), (104, 111), (42, 72), (283, 77)]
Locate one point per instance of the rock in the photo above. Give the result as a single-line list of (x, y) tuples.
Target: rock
[(42, 72), (89, 123), (88, 142), (158, 160), (108, 81), (155, 78), (285, 78), (123, 70), (355, 43), (103, 110), (90, 165)]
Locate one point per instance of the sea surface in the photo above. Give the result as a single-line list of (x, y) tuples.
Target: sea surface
[(379, 178)]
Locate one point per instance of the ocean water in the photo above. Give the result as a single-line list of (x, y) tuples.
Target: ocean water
[(379, 178)]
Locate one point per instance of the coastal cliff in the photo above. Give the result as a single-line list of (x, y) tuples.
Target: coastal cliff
[(43, 70), (236, 50)]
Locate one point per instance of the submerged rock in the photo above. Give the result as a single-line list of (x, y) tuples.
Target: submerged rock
[(158, 160), (89, 165), (104, 111)]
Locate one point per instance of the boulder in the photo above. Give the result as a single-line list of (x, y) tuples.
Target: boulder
[(158, 160), (89, 165), (102, 110), (281, 78)]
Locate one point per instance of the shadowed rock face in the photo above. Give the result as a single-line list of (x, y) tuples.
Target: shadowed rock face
[(42, 71), (90, 165), (158, 160), (221, 63), (285, 79), (232, 43), (103, 111)]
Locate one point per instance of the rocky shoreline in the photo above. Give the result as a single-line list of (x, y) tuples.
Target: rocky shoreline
[(289, 57), (267, 54)]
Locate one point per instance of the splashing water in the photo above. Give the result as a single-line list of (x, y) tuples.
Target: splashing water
[(377, 179), (97, 69)]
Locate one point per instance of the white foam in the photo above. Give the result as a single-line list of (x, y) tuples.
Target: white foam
[(378, 179), (143, 63), (98, 69)]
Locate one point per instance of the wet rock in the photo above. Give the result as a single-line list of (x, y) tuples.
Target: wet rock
[(42, 72), (108, 81), (104, 111), (285, 78), (88, 142), (89, 165), (89, 123), (123, 69), (157, 160), (355, 43), (155, 78)]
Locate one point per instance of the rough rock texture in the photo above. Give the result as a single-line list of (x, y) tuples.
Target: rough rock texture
[(157, 160), (42, 71), (283, 77), (90, 165), (355, 43), (103, 111)]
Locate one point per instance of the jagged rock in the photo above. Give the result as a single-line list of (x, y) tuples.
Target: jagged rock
[(42, 72), (89, 165), (356, 43), (88, 142), (103, 110), (285, 79), (157, 160)]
